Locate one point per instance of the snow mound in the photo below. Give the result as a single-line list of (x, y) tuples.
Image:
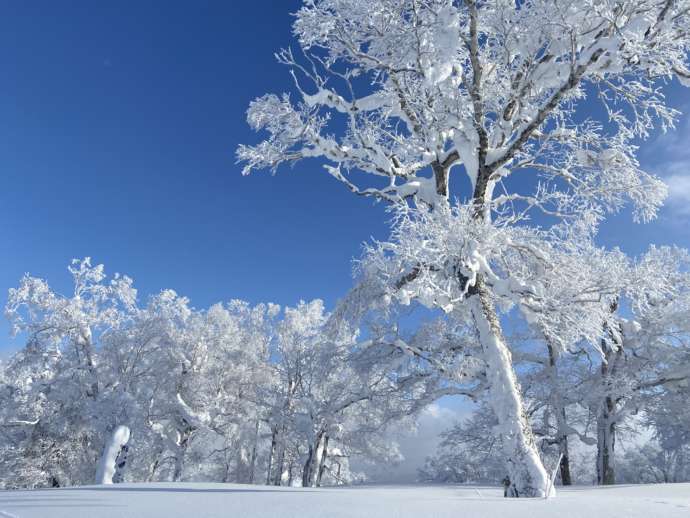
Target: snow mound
[(107, 467)]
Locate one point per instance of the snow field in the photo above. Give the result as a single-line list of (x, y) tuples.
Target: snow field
[(200, 500)]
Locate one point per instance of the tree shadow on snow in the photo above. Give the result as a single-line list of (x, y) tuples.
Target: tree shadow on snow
[(52, 505), (189, 490)]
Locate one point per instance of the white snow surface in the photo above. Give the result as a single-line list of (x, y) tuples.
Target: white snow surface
[(205, 500)]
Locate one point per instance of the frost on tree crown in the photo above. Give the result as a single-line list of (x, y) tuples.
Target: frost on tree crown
[(396, 87)]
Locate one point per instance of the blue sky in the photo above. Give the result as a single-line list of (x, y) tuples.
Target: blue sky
[(118, 126)]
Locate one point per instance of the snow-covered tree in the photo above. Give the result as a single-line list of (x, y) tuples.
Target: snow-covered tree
[(331, 399), (468, 453), (667, 454), (644, 354), (410, 91), (233, 393), (63, 391)]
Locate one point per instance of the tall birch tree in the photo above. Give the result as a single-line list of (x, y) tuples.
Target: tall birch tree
[(409, 91)]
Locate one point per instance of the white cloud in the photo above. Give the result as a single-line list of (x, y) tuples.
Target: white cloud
[(679, 192), (669, 157)]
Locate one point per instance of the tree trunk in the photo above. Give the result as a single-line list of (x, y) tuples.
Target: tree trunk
[(606, 443), (528, 478), (307, 469), (441, 175), (85, 347), (121, 465), (113, 458), (564, 467), (606, 416), (280, 461), (153, 466), (183, 443), (561, 420), (271, 453), (322, 461), (308, 472), (242, 461), (290, 474), (179, 464), (252, 461)]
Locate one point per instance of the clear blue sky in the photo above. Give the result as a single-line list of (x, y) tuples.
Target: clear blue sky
[(118, 125)]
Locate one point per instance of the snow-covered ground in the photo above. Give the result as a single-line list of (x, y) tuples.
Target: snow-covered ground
[(238, 501)]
